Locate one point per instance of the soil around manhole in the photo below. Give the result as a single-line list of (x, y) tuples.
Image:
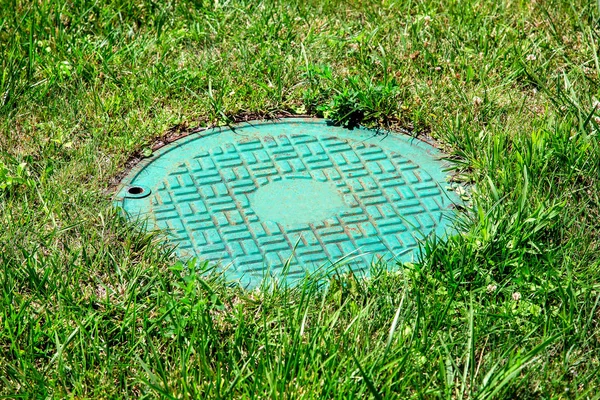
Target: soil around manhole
[(183, 130)]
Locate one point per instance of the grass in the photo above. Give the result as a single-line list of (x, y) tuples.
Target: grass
[(92, 307)]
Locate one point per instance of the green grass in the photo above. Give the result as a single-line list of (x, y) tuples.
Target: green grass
[(90, 307)]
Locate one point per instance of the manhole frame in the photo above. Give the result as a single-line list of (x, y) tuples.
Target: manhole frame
[(438, 166)]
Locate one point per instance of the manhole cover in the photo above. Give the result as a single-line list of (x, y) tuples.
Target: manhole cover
[(291, 196)]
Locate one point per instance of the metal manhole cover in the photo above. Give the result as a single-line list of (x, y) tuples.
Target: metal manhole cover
[(298, 193)]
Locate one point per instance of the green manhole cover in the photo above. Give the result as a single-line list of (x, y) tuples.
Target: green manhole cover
[(291, 196)]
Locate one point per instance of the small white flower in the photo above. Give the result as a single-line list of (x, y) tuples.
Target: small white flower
[(491, 288), (597, 119), (516, 296), (531, 57), (477, 101), (427, 19), (596, 105)]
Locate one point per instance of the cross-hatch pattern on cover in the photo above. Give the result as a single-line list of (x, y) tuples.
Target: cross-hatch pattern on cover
[(205, 203)]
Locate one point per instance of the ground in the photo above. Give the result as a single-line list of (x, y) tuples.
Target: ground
[(93, 307)]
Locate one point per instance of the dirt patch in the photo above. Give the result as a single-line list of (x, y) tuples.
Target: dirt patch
[(184, 129)]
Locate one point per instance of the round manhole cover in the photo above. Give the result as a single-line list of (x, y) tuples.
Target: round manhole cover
[(290, 197)]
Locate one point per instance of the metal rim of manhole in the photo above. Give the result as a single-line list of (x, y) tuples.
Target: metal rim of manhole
[(287, 198)]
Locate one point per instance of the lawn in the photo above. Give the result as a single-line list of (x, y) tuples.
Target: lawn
[(91, 306)]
